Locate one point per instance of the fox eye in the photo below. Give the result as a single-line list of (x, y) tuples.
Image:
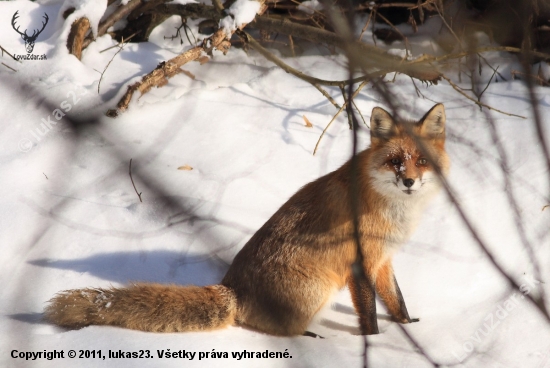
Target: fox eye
[(422, 161), (395, 161)]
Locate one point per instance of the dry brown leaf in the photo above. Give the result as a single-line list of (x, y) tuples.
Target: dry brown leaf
[(185, 167), (203, 59), (308, 123), (545, 207)]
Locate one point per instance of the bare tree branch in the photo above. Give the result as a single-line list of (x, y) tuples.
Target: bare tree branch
[(76, 36)]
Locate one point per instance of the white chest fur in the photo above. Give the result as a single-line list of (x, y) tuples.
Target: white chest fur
[(403, 214)]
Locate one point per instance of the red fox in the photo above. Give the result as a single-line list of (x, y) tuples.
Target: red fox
[(290, 267)]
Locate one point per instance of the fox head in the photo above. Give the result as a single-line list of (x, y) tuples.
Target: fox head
[(399, 167)]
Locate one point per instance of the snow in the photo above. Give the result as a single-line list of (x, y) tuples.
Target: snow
[(310, 6), (244, 11), (398, 52), (241, 12), (70, 217), (91, 9)]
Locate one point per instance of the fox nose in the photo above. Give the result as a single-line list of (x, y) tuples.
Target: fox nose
[(408, 182)]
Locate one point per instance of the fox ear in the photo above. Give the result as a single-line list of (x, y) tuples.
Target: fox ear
[(381, 124), (433, 123)]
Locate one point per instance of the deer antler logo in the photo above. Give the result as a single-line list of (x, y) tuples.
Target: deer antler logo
[(29, 40)]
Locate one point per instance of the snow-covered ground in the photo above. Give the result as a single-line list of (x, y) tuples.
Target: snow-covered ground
[(70, 218)]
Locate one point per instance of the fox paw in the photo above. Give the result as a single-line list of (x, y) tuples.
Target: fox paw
[(313, 334), (405, 320)]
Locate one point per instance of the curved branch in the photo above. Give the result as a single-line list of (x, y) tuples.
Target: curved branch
[(157, 78), (76, 36), (117, 15), (287, 68)]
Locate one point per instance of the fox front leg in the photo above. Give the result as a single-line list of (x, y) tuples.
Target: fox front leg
[(363, 297), (402, 308), (389, 292)]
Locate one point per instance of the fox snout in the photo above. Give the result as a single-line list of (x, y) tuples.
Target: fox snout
[(408, 182), (409, 185)]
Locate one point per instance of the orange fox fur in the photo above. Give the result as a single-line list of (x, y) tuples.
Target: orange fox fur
[(290, 267)]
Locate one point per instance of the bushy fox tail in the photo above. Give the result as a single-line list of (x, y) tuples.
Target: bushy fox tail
[(146, 307)]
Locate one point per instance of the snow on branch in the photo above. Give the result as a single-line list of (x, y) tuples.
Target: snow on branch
[(220, 41)]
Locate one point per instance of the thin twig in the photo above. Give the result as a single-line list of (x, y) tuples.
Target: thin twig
[(132, 179), (363, 84), (312, 80), (387, 21), (459, 90), (325, 93), (487, 86), (365, 27), (360, 114), (9, 67), (417, 90), (448, 26), (178, 33), (287, 68), (350, 121), (10, 55), (417, 346), (490, 66), (540, 81), (515, 50), (121, 42), (109, 63), (326, 128)]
